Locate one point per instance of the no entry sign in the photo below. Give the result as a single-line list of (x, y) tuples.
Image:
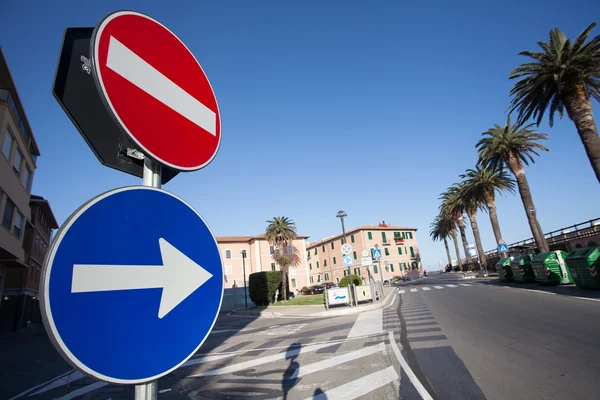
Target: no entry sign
[(156, 90)]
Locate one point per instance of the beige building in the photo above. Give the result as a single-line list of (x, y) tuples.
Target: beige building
[(398, 246), (260, 256), (17, 167)]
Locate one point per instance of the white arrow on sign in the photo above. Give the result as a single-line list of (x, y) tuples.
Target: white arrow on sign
[(178, 277)]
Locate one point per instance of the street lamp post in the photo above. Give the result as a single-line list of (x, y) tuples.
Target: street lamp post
[(341, 215), (380, 271), (244, 268)]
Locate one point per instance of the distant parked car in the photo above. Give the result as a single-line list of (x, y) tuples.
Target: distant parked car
[(317, 289), (329, 285)]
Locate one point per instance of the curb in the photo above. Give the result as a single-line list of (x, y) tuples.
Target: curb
[(320, 314)]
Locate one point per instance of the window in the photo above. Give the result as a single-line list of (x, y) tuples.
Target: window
[(35, 243), (354, 254), (7, 145), (409, 235), (332, 245), (323, 248), (9, 211), (397, 235), (342, 241), (17, 162), (357, 271), (311, 279), (375, 269), (383, 238), (392, 267), (387, 251), (400, 250), (412, 251), (325, 262), (227, 253), (228, 269), (317, 264), (273, 267), (25, 178), (310, 266), (370, 235), (293, 282), (18, 228), (334, 260), (290, 249), (315, 251), (271, 250), (415, 265), (352, 238), (326, 276), (345, 272)]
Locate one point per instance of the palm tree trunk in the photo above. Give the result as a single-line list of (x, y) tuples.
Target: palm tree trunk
[(458, 258), (463, 235), (283, 282), (490, 203), (519, 172), (580, 110), (475, 228), (448, 252)]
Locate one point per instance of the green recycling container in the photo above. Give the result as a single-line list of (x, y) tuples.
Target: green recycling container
[(503, 268), (521, 269), (551, 269), (585, 267)]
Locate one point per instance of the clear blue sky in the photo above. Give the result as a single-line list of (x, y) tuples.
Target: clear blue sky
[(371, 107)]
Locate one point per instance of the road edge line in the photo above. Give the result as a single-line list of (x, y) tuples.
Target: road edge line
[(409, 372)]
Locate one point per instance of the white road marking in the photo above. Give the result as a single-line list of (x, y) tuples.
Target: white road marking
[(438, 287), (61, 382), (367, 323), (205, 359), (214, 332), (401, 291), (409, 372), (263, 360), (586, 298), (426, 288), (143, 75), (392, 303), (465, 284), (83, 390), (359, 387), (538, 291), (332, 362), (74, 375), (451, 286), (413, 290)]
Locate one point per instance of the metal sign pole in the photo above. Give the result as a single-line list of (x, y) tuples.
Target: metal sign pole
[(152, 177)]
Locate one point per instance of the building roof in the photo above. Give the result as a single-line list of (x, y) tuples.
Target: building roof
[(362, 228), (245, 239), (45, 206)]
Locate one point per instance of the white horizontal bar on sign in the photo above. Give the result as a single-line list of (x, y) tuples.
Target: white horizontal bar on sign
[(359, 387), (143, 75)]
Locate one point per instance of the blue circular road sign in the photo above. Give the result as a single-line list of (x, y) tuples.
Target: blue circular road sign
[(132, 285), (348, 260)]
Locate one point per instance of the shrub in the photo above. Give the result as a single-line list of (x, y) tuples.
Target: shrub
[(264, 285), (306, 290), (346, 280)]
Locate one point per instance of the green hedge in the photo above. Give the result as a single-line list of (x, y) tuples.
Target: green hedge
[(264, 285), (346, 280)]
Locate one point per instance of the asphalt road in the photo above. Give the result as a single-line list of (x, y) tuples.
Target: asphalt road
[(441, 338)]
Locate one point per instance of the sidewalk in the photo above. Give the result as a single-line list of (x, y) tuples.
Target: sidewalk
[(315, 311)]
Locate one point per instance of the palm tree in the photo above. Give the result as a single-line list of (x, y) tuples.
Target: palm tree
[(280, 232), (471, 204), (440, 229), (514, 146), (566, 74), (452, 208), (482, 183)]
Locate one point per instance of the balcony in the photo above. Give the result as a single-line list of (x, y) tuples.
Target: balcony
[(7, 98)]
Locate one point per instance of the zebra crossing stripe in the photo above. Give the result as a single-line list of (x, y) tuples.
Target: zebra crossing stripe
[(451, 286), (263, 360), (465, 284), (334, 361), (359, 387), (413, 290), (425, 288), (438, 287), (402, 291)]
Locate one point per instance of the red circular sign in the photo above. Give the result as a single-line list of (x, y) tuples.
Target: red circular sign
[(156, 90)]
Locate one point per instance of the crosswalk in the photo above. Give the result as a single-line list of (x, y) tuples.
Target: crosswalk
[(436, 287)]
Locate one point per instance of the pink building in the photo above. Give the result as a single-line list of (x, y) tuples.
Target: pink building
[(399, 251), (260, 257)]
